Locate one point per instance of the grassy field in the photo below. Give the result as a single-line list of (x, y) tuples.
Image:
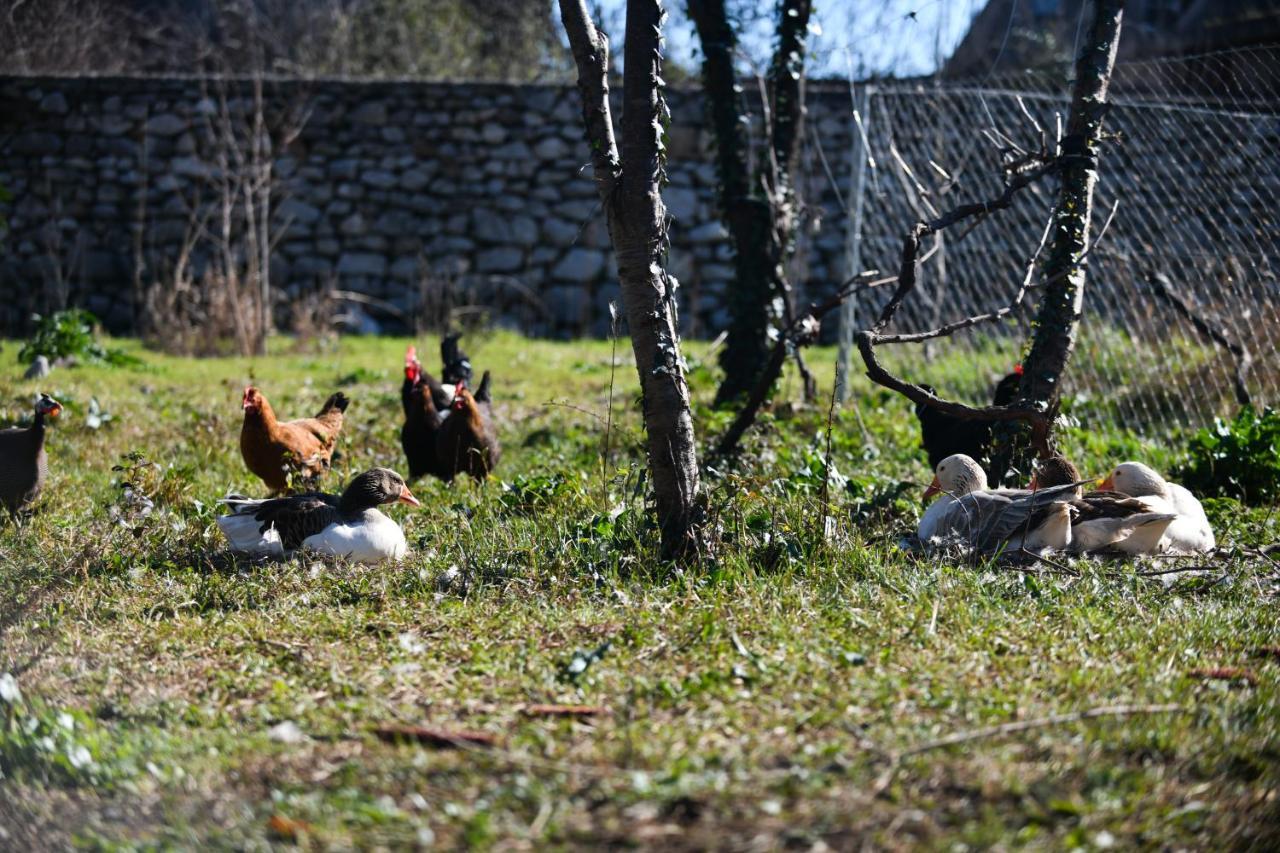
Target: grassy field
[(804, 684)]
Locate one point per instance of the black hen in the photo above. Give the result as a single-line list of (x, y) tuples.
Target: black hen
[(419, 395), (457, 365), (942, 435)]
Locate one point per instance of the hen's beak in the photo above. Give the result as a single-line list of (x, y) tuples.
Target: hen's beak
[(934, 488), (406, 497)]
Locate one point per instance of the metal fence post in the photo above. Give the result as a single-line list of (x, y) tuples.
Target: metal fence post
[(853, 239)]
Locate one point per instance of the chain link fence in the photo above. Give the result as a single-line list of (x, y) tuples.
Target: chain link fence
[(1182, 297)]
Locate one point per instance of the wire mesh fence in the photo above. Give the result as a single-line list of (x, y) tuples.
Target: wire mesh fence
[(1181, 288)]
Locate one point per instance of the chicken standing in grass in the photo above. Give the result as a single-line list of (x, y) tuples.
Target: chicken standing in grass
[(23, 462), (273, 449), (447, 430), (422, 416), (466, 440)]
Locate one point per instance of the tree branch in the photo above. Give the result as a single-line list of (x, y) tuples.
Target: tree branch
[(1163, 288), (804, 330), (591, 54)]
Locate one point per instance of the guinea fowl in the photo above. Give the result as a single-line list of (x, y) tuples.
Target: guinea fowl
[(422, 417), (466, 441), (348, 525), (23, 462), (1107, 520), (944, 435), (274, 449), (984, 520)]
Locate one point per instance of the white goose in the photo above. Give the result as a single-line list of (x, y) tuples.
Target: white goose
[(1190, 532), (984, 520), (1107, 520), (348, 526)]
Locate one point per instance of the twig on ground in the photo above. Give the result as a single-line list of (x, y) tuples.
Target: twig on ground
[(1224, 673), (1004, 729), (1178, 569)]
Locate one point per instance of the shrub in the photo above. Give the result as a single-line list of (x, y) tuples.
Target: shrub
[(1238, 458), (69, 334)]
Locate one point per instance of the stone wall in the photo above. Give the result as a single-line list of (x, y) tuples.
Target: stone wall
[(404, 192)]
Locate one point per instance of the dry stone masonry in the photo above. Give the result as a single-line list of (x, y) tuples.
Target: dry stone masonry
[(406, 193)]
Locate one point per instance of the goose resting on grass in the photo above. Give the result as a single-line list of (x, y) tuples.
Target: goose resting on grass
[(984, 520), (1108, 520), (1190, 532), (347, 526)]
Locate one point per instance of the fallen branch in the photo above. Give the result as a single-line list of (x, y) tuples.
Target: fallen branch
[(565, 711), (439, 738), (1224, 673)]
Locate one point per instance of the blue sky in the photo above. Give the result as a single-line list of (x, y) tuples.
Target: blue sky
[(862, 37)]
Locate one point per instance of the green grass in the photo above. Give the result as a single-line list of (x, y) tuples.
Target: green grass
[(758, 698)]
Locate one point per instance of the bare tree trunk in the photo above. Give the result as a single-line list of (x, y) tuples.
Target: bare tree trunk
[(761, 220), (629, 188), (1058, 317), (786, 78)]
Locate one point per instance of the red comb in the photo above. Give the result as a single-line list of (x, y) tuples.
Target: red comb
[(1017, 369)]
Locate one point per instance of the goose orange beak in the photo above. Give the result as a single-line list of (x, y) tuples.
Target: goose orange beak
[(406, 497), (934, 488), (1107, 485)]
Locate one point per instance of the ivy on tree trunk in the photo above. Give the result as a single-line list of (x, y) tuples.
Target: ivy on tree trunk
[(761, 215), (629, 182), (1058, 315)]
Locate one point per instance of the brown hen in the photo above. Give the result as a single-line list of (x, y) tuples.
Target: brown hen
[(274, 450), (466, 441)]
